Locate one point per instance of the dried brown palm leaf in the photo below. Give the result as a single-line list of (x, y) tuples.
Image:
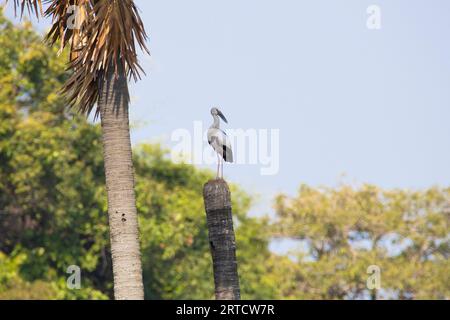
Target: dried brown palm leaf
[(109, 34), (69, 20), (101, 35), (32, 6)]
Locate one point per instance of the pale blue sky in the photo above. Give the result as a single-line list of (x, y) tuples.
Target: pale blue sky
[(374, 105)]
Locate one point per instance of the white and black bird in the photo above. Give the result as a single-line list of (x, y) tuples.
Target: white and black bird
[(219, 140)]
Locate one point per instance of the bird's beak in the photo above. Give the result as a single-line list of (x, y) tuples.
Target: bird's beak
[(222, 116)]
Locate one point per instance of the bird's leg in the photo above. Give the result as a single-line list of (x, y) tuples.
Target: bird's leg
[(221, 168), (218, 166)]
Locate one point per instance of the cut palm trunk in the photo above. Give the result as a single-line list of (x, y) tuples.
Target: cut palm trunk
[(123, 222), (222, 242)]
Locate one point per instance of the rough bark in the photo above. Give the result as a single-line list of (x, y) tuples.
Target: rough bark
[(222, 242), (123, 223)]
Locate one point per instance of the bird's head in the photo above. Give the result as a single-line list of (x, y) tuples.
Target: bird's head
[(217, 112)]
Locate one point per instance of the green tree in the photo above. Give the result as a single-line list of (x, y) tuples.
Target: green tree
[(344, 231), (51, 169), (100, 62)]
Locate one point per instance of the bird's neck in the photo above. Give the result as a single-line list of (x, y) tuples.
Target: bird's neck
[(216, 123)]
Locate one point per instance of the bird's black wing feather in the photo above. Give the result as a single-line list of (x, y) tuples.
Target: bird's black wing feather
[(227, 154)]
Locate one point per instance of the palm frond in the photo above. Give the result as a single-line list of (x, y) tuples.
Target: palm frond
[(32, 6), (69, 20), (102, 34), (106, 39)]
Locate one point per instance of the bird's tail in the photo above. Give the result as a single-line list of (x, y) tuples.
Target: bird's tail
[(227, 154)]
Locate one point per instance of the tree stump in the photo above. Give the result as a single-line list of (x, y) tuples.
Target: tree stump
[(216, 195)]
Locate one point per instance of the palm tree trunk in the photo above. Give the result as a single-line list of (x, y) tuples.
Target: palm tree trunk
[(123, 223), (222, 241)]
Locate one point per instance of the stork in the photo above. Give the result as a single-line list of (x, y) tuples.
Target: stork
[(219, 141)]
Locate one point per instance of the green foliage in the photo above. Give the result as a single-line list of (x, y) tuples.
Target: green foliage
[(346, 230), (51, 197)]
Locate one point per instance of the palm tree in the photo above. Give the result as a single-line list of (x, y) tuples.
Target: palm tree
[(101, 35)]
